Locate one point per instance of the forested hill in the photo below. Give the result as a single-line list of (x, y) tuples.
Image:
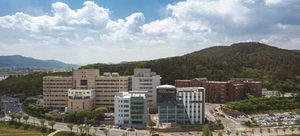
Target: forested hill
[(25, 62), (276, 68)]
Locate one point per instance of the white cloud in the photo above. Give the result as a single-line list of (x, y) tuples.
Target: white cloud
[(89, 33), (86, 39)]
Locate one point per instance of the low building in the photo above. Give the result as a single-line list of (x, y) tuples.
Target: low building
[(131, 109), (220, 91)]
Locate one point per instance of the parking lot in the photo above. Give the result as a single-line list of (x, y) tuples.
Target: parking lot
[(280, 119)]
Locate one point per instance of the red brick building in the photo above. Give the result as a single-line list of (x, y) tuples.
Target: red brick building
[(218, 91)]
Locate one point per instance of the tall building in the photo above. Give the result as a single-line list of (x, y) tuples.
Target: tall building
[(180, 105), (131, 109), (145, 80), (218, 91), (84, 90)]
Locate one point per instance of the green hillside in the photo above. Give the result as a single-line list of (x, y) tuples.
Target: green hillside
[(276, 68)]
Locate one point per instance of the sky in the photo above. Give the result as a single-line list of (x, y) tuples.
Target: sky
[(104, 31)]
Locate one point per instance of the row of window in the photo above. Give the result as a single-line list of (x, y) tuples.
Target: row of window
[(62, 100), (57, 84), (126, 110), (55, 91), (111, 87), (79, 92), (56, 95), (54, 104), (125, 101), (105, 95), (111, 84), (108, 91), (125, 106), (105, 101), (111, 80)]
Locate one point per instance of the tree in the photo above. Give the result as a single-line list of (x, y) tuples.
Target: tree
[(105, 131), (261, 131), (87, 129), (298, 128), (80, 116), (269, 131), (252, 131), (220, 133), (19, 116), (26, 117), (188, 127), (236, 133), (206, 131), (42, 121), (150, 123), (51, 123), (123, 135), (95, 130), (70, 126), (292, 129), (13, 116), (81, 129), (228, 133), (283, 130), (276, 130)]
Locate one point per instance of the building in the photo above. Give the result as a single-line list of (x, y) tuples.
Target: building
[(84, 90), (180, 105), (131, 109), (218, 91), (145, 80)]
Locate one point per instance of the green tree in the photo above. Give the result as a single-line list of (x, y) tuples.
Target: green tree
[(13, 116), (220, 133), (252, 131), (150, 124), (81, 116), (283, 129), (105, 131), (95, 130), (188, 127), (42, 121), (276, 130), (19, 116), (292, 129), (81, 128), (228, 133), (269, 131), (51, 123), (236, 133), (70, 126), (206, 131), (87, 129), (26, 117), (261, 131)]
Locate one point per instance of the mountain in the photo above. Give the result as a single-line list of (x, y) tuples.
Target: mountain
[(276, 68), (24, 62)]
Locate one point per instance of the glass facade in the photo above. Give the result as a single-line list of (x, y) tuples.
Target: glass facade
[(170, 109), (136, 109)]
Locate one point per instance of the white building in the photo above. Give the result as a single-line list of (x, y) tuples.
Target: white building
[(145, 80), (193, 99), (131, 109)]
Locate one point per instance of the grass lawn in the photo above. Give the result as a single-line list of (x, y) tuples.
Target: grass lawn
[(12, 130)]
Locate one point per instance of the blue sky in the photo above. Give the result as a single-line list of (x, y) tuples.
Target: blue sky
[(131, 30)]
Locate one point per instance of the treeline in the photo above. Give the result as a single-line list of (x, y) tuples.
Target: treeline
[(31, 84), (264, 103), (275, 68)]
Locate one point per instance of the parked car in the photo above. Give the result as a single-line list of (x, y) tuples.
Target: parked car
[(102, 125), (102, 128), (123, 128), (130, 129)]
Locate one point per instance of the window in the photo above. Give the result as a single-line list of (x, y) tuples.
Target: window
[(83, 82)]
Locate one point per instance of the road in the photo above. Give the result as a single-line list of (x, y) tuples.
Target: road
[(231, 124)]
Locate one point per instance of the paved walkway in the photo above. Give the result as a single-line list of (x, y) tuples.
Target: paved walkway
[(53, 133)]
